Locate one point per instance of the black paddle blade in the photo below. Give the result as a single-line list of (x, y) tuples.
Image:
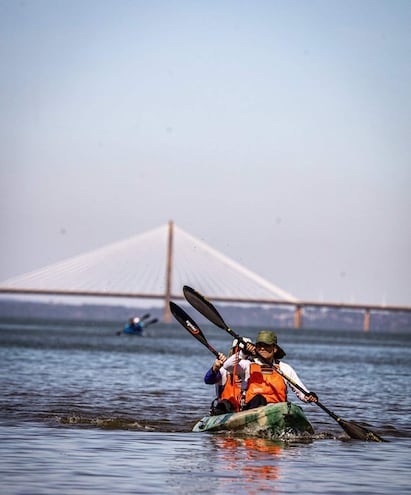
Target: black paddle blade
[(204, 306), (352, 429), (189, 324), (358, 432), (154, 320)]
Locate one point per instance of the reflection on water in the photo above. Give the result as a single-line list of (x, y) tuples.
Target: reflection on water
[(257, 459)]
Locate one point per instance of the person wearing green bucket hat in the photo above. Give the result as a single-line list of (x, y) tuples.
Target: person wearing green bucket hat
[(264, 384), (270, 338)]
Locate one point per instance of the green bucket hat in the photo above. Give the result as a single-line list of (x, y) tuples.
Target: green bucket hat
[(270, 338)]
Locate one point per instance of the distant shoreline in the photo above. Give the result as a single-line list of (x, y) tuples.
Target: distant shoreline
[(279, 317)]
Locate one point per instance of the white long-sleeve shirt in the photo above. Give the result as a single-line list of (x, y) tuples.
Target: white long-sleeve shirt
[(243, 371)]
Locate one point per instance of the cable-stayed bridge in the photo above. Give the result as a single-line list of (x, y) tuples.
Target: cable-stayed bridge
[(156, 265)]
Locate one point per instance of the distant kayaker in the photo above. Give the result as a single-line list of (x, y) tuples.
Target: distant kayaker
[(228, 385), (134, 326), (264, 384)]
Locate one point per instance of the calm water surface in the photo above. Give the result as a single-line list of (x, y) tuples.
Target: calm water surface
[(83, 410)]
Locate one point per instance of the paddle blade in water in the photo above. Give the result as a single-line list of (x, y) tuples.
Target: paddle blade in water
[(358, 432)]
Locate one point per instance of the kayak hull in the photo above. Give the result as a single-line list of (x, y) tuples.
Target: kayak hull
[(272, 420)]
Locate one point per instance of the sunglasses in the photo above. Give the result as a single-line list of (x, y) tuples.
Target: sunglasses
[(259, 345)]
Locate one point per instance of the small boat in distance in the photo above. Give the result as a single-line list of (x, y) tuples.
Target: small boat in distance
[(136, 325)]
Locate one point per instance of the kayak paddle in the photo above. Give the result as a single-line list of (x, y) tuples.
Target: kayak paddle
[(144, 317), (154, 320), (189, 324), (206, 308)]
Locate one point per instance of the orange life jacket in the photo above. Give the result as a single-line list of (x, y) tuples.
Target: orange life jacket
[(266, 382), (232, 391)]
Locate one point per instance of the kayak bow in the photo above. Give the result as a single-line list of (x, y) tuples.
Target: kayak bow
[(273, 420)]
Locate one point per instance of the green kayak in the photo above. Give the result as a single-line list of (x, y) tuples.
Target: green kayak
[(272, 420)]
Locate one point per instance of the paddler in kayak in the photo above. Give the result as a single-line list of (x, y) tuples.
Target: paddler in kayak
[(228, 385), (263, 384), (134, 326)]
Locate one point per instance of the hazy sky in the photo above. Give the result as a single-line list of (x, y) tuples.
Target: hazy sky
[(278, 132)]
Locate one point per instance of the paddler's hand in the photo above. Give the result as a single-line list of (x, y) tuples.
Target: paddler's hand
[(221, 359), (311, 397), (249, 349)]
